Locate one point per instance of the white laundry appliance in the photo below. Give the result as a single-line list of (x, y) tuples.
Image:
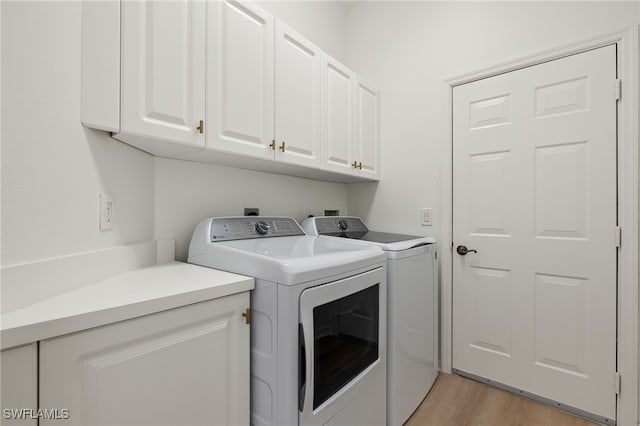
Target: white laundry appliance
[(318, 319), (413, 316)]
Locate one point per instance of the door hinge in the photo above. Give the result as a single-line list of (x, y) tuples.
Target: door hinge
[(618, 89), (618, 236), (618, 383), (247, 316)]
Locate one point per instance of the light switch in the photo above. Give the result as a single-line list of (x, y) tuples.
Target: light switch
[(427, 216)]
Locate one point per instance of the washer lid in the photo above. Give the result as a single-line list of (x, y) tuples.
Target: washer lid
[(289, 260), (354, 228), (395, 242)]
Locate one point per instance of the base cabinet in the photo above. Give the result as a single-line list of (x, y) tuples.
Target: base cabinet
[(19, 392), (186, 366)]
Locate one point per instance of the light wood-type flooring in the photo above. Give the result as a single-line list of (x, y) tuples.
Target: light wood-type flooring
[(457, 401)]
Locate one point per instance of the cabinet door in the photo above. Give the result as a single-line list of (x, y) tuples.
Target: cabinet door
[(185, 366), (163, 84), (337, 116), (297, 98), (240, 78), (367, 131), (19, 376)]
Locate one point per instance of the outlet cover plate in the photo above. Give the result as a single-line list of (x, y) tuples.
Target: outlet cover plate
[(427, 216), (107, 218)]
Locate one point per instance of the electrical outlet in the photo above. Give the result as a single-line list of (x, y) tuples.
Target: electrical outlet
[(427, 216), (107, 218)]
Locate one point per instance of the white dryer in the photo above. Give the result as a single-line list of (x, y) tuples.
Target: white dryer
[(318, 319), (413, 316)]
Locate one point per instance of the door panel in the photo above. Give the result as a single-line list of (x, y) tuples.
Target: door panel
[(367, 131), (163, 70), (535, 194), (297, 98), (184, 366), (240, 85), (337, 116)]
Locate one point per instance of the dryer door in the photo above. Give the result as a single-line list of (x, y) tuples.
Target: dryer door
[(342, 355)]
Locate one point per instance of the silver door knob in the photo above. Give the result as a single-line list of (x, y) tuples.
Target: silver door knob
[(463, 250)]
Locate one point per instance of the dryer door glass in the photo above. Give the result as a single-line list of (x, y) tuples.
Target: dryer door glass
[(345, 341)]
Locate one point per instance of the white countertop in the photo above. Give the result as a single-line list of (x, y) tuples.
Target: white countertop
[(129, 295)]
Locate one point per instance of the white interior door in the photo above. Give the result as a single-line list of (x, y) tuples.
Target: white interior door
[(534, 178)]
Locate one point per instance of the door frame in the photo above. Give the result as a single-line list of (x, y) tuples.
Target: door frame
[(627, 43)]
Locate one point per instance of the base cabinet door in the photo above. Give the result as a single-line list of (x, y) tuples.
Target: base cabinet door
[(19, 393), (186, 366)]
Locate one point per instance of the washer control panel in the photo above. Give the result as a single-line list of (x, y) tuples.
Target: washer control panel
[(331, 225), (246, 227)]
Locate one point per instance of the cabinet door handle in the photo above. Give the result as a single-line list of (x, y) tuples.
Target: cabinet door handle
[(200, 127), (355, 165), (282, 147), (272, 145), (360, 165), (247, 316)]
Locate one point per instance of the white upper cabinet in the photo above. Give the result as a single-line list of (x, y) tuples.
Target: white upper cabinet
[(163, 72), (240, 79), (338, 88), (297, 104), (367, 131), (224, 82)]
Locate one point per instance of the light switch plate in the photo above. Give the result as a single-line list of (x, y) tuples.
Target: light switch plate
[(427, 216)]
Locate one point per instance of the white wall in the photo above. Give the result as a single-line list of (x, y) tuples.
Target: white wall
[(187, 192), (323, 22), (52, 167), (422, 45)]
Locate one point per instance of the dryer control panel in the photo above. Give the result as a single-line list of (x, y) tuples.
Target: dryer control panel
[(246, 227), (328, 225)]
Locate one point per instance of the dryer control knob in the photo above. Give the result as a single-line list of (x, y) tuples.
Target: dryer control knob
[(342, 224), (262, 227)]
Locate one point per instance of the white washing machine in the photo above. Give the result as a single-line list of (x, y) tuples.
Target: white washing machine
[(413, 316), (318, 319)]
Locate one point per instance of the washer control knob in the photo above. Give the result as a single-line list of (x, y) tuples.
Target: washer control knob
[(262, 227), (342, 224)]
